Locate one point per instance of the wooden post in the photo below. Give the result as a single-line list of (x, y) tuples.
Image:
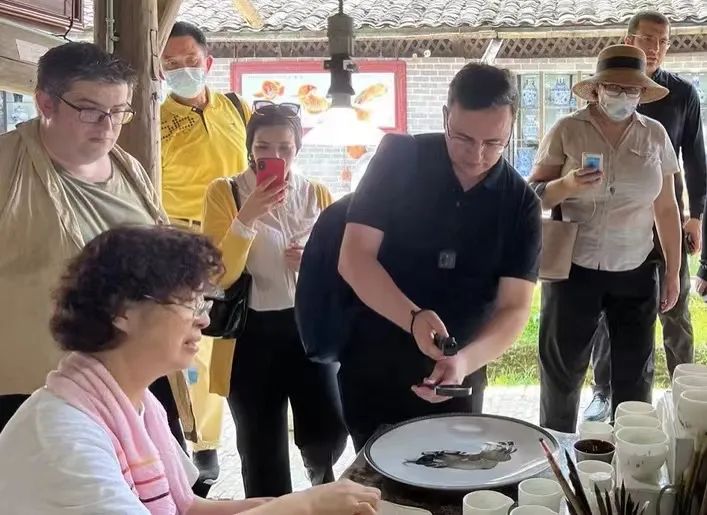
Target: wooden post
[(136, 29), (167, 12)]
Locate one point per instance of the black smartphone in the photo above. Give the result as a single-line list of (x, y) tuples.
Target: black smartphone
[(448, 390)]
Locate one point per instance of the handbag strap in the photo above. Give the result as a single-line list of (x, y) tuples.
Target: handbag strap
[(234, 190), (556, 213)]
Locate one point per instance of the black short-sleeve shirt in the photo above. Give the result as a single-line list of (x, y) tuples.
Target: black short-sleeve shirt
[(446, 249)]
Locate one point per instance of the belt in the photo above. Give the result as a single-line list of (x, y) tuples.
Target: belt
[(186, 222)]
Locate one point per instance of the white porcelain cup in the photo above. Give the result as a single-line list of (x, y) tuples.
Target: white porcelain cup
[(540, 492), (683, 383), (596, 431), (592, 472), (641, 450), (692, 412), (689, 369), (533, 510), (635, 408), (636, 421), (486, 502)]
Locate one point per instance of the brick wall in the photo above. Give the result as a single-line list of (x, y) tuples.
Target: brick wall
[(427, 82)]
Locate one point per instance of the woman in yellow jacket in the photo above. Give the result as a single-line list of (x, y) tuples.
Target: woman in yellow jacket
[(268, 367)]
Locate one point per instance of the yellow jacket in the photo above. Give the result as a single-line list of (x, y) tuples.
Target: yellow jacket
[(219, 212), (39, 233)]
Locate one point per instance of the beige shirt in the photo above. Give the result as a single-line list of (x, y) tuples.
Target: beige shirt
[(274, 283), (616, 217), (40, 230)]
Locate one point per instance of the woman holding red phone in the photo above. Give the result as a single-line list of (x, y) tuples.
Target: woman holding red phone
[(267, 368)]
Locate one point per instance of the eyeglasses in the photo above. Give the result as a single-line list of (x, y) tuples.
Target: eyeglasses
[(93, 115), (614, 90), (652, 41), (286, 109), (492, 148), (201, 308)]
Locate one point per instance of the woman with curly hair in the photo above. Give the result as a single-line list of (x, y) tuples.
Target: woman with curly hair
[(129, 309)]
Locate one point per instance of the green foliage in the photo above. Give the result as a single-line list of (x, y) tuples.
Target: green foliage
[(519, 365)]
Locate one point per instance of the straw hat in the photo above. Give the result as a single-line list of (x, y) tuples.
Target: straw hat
[(624, 65)]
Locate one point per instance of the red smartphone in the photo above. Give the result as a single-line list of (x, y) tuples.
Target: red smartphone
[(270, 167)]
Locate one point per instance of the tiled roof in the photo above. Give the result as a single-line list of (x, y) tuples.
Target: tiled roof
[(311, 15)]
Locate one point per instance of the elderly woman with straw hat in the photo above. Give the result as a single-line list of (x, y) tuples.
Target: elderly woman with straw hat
[(607, 169)]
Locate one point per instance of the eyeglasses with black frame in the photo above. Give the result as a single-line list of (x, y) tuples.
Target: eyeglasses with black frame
[(93, 115), (202, 307), (487, 147), (614, 90), (287, 109)]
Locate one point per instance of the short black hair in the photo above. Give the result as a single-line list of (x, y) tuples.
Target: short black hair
[(480, 86), (65, 64), (271, 116), (183, 28), (122, 265), (649, 16)]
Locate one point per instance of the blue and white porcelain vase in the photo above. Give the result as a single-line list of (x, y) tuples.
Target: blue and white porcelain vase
[(531, 127), (524, 161), (530, 93), (698, 87), (560, 93)]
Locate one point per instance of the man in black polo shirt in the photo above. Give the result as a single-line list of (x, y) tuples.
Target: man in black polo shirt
[(443, 243), (679, 113)]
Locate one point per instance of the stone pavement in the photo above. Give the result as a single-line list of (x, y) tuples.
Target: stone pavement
[(520, 402)]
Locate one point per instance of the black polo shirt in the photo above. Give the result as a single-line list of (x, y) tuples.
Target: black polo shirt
[(679, 113), (445, 248)]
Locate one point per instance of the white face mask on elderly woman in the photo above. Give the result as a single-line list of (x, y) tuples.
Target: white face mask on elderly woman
[(618, 106)]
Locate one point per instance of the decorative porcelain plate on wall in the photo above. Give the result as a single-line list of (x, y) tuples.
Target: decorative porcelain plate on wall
[(460, 451)]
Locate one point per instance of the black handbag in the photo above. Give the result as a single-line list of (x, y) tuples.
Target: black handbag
[(229, 312)]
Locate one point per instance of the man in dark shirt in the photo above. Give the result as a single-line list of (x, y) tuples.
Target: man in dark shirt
[(443, 238), (679, 113)]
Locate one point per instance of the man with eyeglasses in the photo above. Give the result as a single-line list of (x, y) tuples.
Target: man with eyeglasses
[(442, 240), (63, 181), (203, 139), (679, 113)]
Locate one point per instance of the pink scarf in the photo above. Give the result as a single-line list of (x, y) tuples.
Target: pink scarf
[(146, 451)]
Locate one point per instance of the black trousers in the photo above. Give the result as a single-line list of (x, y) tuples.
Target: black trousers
[(269, 369), (570, 312), (163, 392), (9, 404), (678, 339), (378, 367)]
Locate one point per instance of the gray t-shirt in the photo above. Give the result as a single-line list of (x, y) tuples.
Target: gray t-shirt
[(105, 205)]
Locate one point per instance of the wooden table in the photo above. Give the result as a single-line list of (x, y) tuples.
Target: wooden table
[(439, 503)]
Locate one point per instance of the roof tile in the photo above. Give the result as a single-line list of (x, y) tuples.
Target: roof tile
[(311, 15)]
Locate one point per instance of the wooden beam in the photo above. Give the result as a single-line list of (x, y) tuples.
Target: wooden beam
[(20, 50), (137, 43), (167, 14)]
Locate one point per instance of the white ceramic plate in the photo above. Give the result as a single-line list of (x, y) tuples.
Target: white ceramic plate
[(388, 451)]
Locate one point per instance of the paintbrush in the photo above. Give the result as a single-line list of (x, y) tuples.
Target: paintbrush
[(577, 484), (572, 503), (600, 501)]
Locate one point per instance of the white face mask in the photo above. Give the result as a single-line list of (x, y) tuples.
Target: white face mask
[(618, 108), (186, 82)]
